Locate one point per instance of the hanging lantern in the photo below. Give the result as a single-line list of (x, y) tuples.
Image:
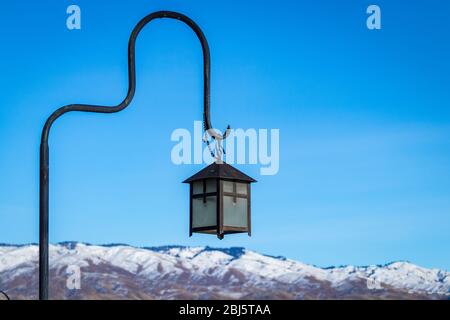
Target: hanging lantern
[(220, 201)]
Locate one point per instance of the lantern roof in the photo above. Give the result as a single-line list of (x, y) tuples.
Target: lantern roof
[(221, 171)]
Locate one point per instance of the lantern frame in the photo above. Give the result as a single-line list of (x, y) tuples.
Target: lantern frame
[(220, 173)]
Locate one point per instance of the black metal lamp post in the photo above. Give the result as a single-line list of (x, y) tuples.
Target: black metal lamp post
[(3, 296), (44, 150)]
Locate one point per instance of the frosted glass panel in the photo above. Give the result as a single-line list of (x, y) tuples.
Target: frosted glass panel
[(204, 214), (197, 187), (234, 214), (227, 186), (241, 188), (211, 185)]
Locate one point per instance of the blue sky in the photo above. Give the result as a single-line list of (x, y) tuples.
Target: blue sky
[(364, 119)]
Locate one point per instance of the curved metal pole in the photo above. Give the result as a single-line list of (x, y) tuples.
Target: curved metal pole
[(5, 295), (44, 150)]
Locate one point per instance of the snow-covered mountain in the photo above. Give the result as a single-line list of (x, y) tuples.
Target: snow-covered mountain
[(175, 272)]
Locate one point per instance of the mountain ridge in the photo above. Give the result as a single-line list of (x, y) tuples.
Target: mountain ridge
[(162, 247), (121, 271)]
